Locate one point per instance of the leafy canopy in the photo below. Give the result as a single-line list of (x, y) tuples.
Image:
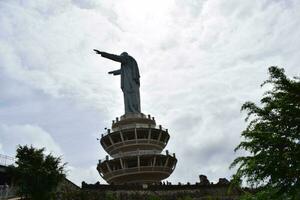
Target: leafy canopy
[(37, 175), (273, 139)]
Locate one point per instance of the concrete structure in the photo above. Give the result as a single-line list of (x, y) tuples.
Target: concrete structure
[(203, 190), (135, 144)]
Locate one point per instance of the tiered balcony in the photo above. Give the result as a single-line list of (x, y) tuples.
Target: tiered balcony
[(135, 144), (135, 136), (139, 166)]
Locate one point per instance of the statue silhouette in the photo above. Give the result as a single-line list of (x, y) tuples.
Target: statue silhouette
[(130, 79)]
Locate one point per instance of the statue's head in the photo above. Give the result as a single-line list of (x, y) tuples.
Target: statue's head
[(124, 54)]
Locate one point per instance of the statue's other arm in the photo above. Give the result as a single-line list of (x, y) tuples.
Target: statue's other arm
[(115, 72), (110, 56)]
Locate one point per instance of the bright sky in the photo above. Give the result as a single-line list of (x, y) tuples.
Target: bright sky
[(199, 62)]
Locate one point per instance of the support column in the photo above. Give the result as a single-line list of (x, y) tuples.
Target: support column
[(121, 162), (167, 161), (149, 135), (138, 162), (135, 135), (121, 135), (112, 142), (159, 136), (154, 161)]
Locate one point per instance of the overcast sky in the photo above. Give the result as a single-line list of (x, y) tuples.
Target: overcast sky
[(199, 62)]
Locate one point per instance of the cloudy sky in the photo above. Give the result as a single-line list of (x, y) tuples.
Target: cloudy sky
[(199, 62)]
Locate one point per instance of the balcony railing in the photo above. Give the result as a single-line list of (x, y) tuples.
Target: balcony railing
[(126, 171), (138, 153), (135, 153), (119, 145), (133, 126)]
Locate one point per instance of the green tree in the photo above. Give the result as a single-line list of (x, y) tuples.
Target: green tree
[(110, 196), (37, 175), (153, 197), (272, 139), (185, 198)]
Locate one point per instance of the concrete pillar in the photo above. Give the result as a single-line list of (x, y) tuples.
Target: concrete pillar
[(149, 135), (112, 142), (121, 135), (154, 161), (167, 161), (138, 162), (121, 162), (159, 136), (135, 134)]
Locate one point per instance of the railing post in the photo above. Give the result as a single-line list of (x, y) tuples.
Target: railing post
[(138, 162), (135, 135)]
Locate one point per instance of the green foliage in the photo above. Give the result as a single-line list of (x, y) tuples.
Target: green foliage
[(269, 193), (272, 138), (153, 197), (185, 198), (212, 198), (110, 196), (37, 175)]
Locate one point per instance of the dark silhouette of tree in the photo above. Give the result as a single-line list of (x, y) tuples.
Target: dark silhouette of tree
[(272, 138), (37, 175)]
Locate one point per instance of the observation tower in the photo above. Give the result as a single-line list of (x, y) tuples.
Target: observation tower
[(134, 142)]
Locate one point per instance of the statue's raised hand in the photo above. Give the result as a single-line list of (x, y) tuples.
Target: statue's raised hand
[(98, 52)]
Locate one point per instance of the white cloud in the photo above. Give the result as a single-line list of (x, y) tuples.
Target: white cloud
[(14, 135), (87, 174), (1, 149)]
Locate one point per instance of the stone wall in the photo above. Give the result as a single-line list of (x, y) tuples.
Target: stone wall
[(219, 191)]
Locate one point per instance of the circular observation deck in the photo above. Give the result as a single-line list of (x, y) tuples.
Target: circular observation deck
[(139, 168), (134, 133)]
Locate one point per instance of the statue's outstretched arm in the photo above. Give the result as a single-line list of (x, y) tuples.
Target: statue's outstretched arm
[(110, 56)]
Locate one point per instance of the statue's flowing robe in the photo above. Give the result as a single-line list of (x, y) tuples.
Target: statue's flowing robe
[(130, 81)]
